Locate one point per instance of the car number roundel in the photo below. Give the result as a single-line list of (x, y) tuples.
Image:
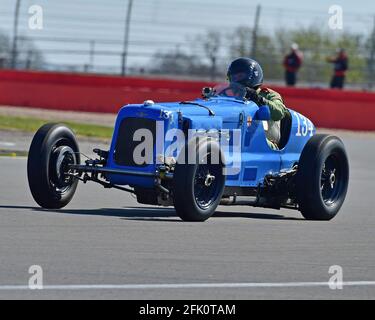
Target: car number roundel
[(304, 126)]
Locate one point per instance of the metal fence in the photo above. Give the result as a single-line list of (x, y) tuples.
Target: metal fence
[(188, 39)]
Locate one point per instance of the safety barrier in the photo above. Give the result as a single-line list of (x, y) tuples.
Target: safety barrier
[(95, 93)]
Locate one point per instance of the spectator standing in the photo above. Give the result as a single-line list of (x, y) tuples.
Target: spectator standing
[(292, 63), (340, 66)]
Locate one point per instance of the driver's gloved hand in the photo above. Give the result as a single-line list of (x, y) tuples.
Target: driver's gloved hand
[(252, 95)]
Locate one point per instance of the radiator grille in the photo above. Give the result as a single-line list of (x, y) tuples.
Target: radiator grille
[(123, 154)]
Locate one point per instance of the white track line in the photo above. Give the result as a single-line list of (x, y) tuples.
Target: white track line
[(190, 285), (7, 144)]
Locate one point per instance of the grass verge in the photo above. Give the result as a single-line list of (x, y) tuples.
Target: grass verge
[(30, 124), (13, 153)]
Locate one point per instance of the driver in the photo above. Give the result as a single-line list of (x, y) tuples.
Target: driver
[(249, 73)]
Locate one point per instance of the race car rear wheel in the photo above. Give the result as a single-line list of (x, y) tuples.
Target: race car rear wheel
[(322, 177), (198, 188), (52, 149)]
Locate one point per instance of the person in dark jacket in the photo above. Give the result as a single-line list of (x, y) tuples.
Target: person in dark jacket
[(340, 66), (292, 63)]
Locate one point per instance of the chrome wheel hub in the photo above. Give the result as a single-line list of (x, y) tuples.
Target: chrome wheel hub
[(332, 178), (209, 180)]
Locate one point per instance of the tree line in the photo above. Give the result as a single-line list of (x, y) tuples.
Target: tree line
[(209, 54)]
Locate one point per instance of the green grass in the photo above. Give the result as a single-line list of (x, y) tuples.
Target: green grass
[(29, 124), (12, 153)]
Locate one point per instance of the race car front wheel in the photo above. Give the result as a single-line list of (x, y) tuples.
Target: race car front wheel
[(322, 177), (198, 187), (52, 149)]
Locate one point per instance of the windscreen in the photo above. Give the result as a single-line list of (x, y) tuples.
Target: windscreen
[(232, 89)]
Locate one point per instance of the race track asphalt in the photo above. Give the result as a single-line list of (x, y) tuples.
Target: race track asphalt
[(105, 237)]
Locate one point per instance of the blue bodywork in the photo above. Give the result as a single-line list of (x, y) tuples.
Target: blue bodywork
[(257, 158)]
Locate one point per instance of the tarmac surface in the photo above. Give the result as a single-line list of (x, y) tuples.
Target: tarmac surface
[(104, 245)]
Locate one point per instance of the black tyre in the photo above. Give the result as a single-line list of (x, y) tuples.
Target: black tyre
[(198, 188), (322, 177), (52, 149)]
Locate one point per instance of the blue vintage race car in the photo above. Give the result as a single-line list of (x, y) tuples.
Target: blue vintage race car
[(196, 155)]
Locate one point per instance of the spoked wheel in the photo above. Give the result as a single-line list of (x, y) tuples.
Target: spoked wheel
[(52, 150), (331, 180), (207, 184), (61, 158), (197, 188), (322, 177)]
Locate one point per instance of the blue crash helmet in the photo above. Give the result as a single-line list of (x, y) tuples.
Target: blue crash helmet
[(246, 71)]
